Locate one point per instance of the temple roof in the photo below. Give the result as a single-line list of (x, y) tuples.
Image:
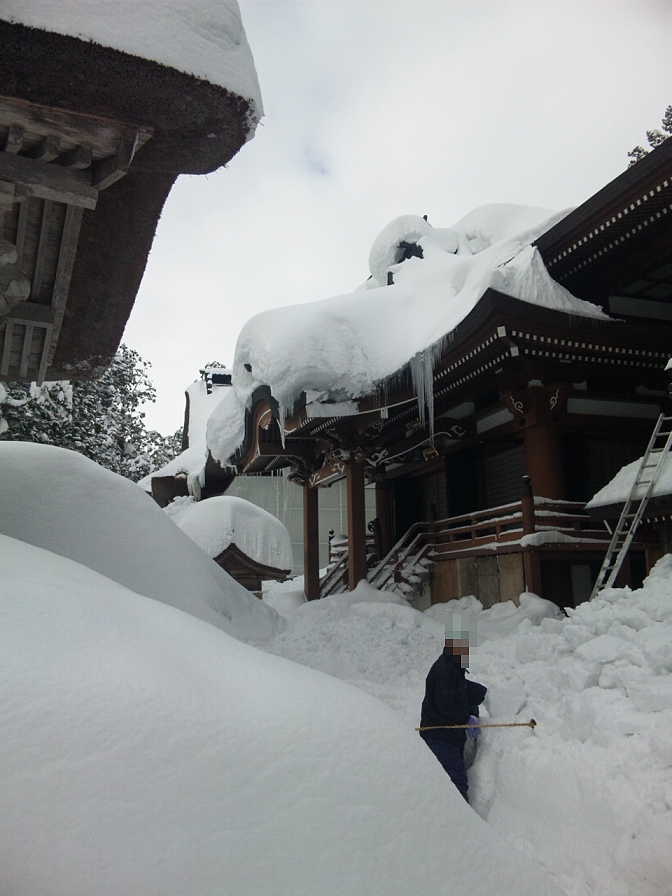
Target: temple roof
[(91, 140)]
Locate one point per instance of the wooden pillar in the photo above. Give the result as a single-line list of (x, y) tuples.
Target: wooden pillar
[(356, 523), (311, 544), (384, 510), (544, 460)]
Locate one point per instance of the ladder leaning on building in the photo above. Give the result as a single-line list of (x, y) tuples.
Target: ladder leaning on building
[(648, 474)]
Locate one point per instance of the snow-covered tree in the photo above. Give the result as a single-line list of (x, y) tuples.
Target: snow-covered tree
[(102, 418), (654, 138)]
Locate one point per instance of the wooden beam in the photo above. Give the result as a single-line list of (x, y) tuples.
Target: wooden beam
[(44, 357), (356, 523), (48, 181), (14, 141), (108, 171), (78, 158), (25, 352), (21, 225), (6, 347), (311, 543), (66, 263), (46, 150), (384, 515), (31, 313), (41, 256), (102, 134), (544, 460)]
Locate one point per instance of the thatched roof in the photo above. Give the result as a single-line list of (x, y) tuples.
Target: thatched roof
[(185, 125)]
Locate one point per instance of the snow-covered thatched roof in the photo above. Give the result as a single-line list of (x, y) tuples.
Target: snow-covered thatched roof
[(182, 73)]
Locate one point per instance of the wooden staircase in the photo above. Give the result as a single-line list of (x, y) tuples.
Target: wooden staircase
[(406, 568)]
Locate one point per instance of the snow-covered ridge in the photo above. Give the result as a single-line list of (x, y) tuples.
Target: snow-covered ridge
[(204, 38), (64, 502), (344, 345)]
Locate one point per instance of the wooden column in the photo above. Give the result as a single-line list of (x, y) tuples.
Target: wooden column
[(356, 523), (384, 511), (544, 460), (311, 544)]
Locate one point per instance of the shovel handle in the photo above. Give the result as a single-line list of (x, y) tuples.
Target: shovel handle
[(531, 724)]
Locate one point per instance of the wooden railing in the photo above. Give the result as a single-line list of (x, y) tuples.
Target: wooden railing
[(441, 539)]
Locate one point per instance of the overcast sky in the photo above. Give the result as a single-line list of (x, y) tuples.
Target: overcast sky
[(377, 108)]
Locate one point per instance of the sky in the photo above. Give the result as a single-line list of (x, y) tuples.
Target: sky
[(378, 108)]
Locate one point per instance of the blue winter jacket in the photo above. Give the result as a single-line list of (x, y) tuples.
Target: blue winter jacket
[(450, 698)]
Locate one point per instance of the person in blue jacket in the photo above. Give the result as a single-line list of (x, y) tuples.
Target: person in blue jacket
[(451, 699)]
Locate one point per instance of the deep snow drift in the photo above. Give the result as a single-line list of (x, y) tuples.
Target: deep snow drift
[(589, 794), (146, 752), (335, 347), (59, 500), (221, 521), (204, 38)]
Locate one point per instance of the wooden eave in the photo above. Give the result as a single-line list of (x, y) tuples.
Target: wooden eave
[(232, 555), (502, 343), (659, 507), (619, 241), (53, 166)]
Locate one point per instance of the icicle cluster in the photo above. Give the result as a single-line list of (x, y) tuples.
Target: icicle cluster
[(422, 375)]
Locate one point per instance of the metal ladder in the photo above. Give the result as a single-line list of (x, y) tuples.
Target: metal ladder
[(631, 516)]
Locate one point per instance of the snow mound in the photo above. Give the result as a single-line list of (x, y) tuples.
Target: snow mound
[(218, 522), (204, 38), (143, 751), (589, 794), (58, 500), (467, 614), (334, 346)]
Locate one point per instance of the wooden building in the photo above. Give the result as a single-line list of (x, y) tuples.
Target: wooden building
[(91, 141), (534, 409), (244, 540)]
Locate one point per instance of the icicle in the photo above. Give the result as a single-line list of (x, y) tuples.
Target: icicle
[(282, 416), (422, 374)]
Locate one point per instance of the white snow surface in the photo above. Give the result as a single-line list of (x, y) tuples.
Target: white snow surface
[(146, 752), (616, 491), (191, 461), (336, 345), (204, 38), (218, 522), (589, 793), (58, 500)]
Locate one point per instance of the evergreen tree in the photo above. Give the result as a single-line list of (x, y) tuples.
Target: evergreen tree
[(102, 418), (654, 138)]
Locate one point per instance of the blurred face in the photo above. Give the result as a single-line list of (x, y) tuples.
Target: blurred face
[(458, 647)]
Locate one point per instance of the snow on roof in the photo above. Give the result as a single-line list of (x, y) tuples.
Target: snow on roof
[(616, 491), (191, 462), (336, 345), (204, 38), (64, 502), (218, 522)]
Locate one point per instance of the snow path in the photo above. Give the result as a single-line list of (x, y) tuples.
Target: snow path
[(589, 794)]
